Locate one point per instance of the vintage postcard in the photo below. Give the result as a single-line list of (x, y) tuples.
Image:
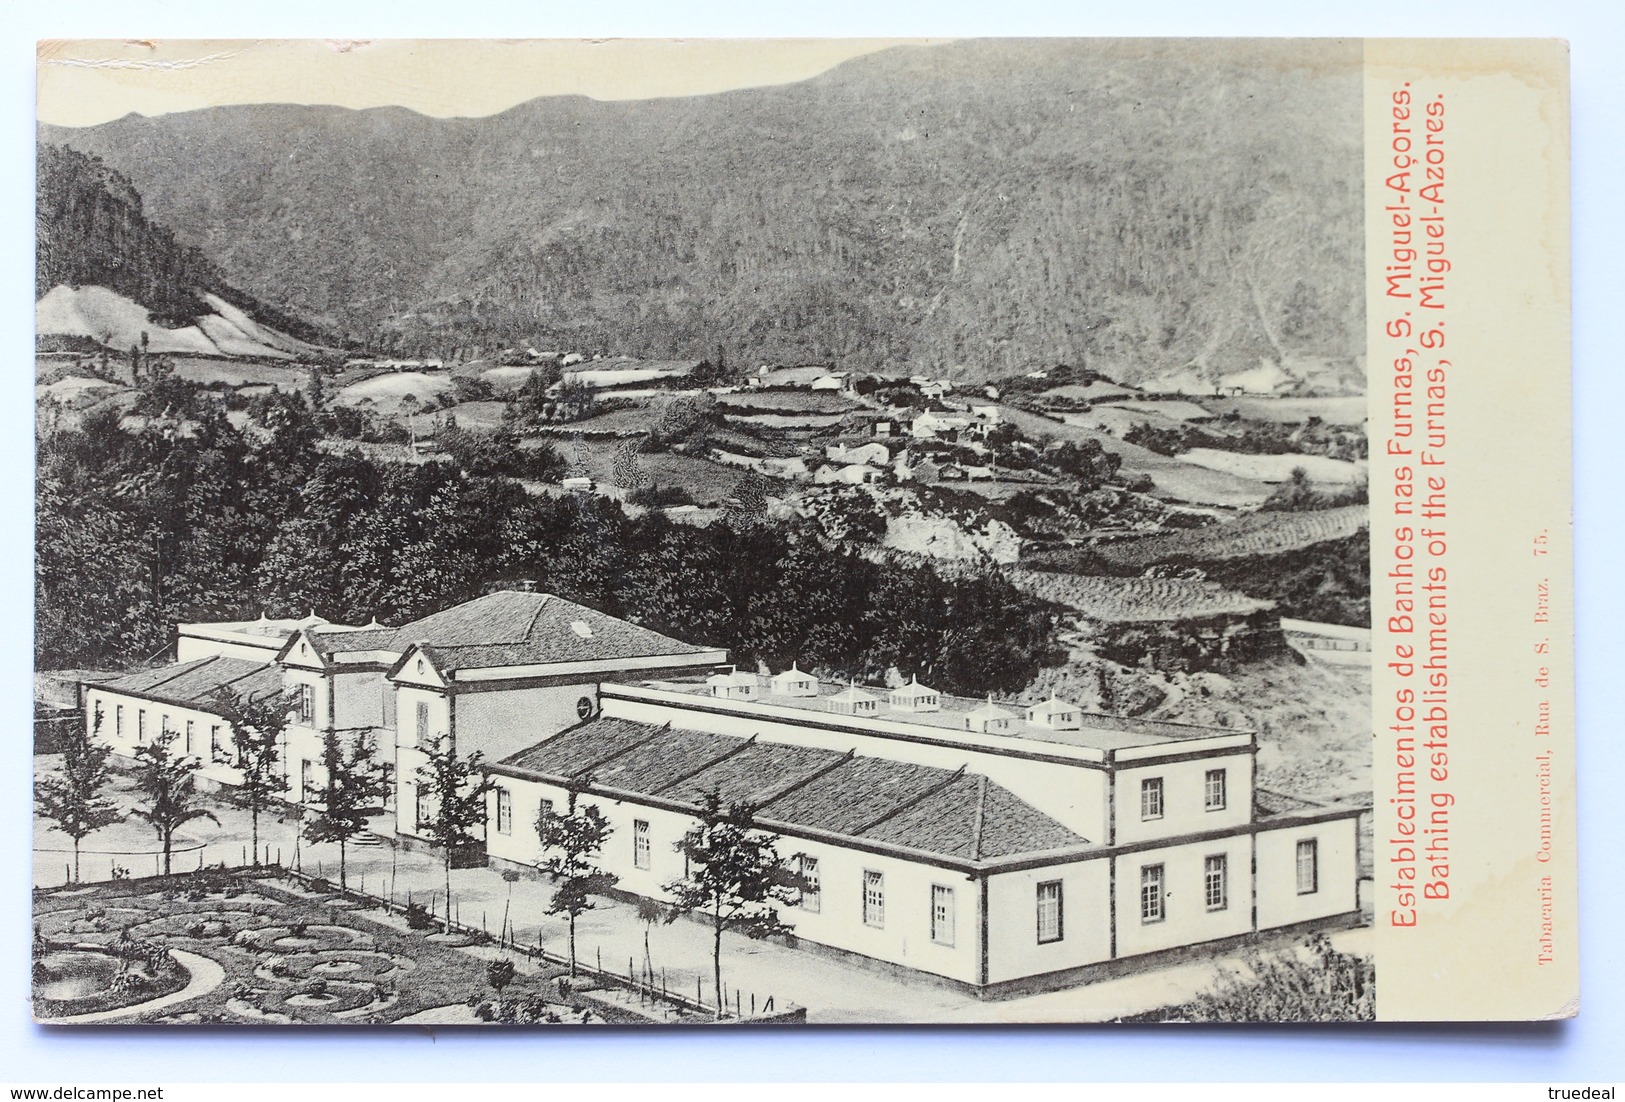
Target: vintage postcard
[(712, 532)]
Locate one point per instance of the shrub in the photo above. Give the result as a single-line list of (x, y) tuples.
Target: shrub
[(417, 917)]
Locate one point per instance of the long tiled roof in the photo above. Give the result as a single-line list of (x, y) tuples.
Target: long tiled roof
[(512, 628), (938, 811), (197, 684)]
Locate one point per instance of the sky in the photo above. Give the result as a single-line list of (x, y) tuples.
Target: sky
[(81, 83)]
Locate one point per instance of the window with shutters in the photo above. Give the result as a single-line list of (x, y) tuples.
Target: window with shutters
[(1151, 899), (1216, 881)]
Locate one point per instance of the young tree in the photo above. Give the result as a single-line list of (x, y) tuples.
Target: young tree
[(355, 786), (735, 876), (574, 840), (168, 783), (628, 474), (457, 788), (257, 723), (73, 798)]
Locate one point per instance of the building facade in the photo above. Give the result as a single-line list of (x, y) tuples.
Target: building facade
[(999, 851)]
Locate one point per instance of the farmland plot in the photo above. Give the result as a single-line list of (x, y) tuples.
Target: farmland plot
[(1275, 468), (1133, 600), (1254, 535)]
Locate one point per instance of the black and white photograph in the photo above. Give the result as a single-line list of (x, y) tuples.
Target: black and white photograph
[(844, 532)]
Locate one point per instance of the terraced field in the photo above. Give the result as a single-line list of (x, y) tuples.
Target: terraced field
[(1252, 535)]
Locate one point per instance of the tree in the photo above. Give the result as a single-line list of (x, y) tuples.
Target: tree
[(73, 799), (574, 839), (257, 723), (355, 787), (457, 788), (735, 876), (626, 472), (168, 782)]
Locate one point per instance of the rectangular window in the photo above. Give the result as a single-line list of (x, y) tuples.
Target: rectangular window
[(812, 892), (425, 812), (1051, 922), (307, 706), (216, 753), (874, 898), (118, 721), (1151, 902), (190, 728), (1151, 798), (691, 839), (423, 723), (1216, 796), (504, 811), (1308, 866), (1216, 881), (544, 812), (163, 725), (640, 843), (942, 914), (307, 781), (141, 725)]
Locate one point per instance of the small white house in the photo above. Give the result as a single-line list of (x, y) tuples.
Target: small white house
[(989, 719), (853, 474), (733, 685), (793, 682), (990, 414), (853, 701), (872, 454), (915, 697), (1055, 715), (578, 485)]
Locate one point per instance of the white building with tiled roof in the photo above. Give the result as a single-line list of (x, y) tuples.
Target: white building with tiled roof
[(494, 674), (1041, 854)]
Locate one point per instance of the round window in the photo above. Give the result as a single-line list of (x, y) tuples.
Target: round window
[(584, 707), (420, 665)]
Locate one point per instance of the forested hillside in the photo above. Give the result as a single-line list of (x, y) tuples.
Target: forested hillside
[(141, 527), (92, 231), (975, 208)]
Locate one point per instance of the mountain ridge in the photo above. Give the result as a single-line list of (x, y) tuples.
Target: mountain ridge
[(974, 208)]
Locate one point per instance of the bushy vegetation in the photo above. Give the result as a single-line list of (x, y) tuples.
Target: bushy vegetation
[(139, 528), (863, 216), (1315, 983)]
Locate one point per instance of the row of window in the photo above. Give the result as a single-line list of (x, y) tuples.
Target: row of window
[(1216, 881), (1153, 892), (217, 742), (1215, 794)]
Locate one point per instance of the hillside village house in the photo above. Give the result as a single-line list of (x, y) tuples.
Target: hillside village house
[(996, 849), (495, 674)]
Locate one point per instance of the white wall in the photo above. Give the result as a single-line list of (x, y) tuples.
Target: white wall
[(189, 648), (176, 717), (1014, 950), (1186, 919), (1184, 798), (1279, 903), (905, 937), (506, 721)]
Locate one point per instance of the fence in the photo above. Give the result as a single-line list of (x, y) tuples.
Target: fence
[(647, 986)]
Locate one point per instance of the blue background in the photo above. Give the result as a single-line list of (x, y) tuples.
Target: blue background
[(1575, 1051)]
